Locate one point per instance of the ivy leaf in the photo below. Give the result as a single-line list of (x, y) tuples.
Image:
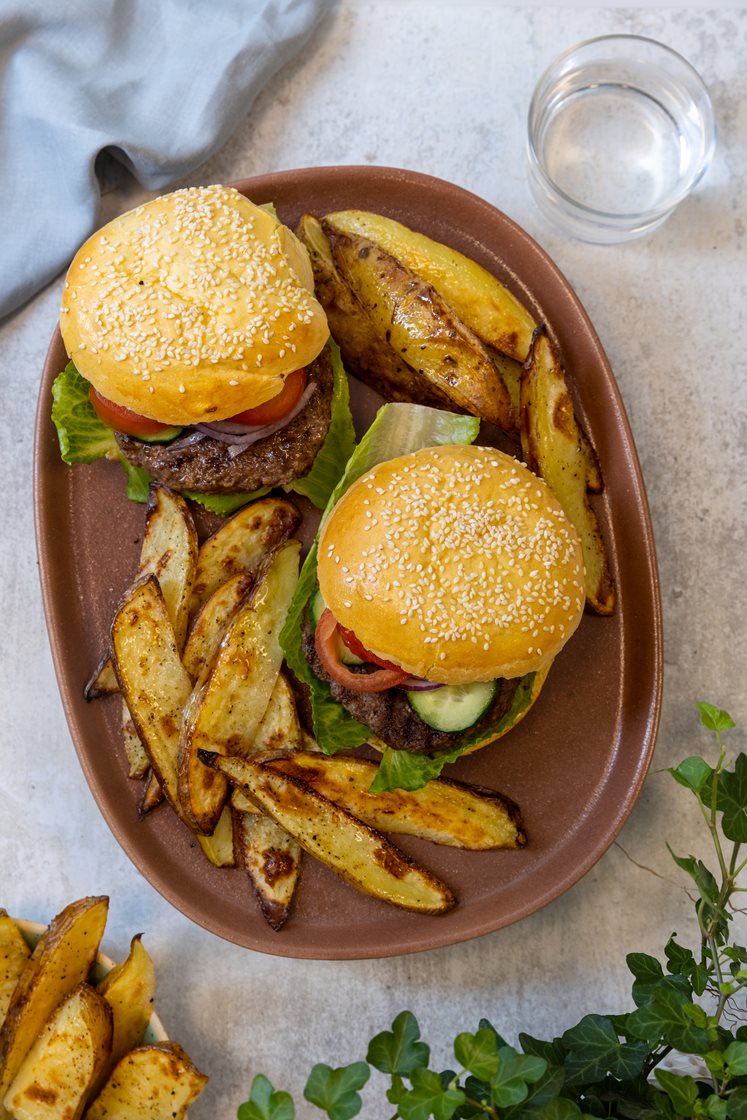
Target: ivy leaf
[(510, 1083), (595, 1050), (648, 975), (735, 1057), (478, 1053), (681, 1090), (693, 773), (737, 1104), (553, 1052), (265, 1103), (542, 1093), (486, 1025), (716, 1107), (701, 876), (429, 1097), (732, 801), (398, 1051), (682, 963), (561, 1109), (335, 1090), (666, 1019), (715, 719)]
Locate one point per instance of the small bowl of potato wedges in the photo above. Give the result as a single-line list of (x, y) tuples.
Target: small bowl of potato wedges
[(78, 1034)]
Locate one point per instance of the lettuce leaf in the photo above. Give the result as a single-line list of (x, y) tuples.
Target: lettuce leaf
[(397, 430), (83, 438), (338, 446)]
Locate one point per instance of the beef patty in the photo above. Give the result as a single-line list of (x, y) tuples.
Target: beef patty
[(391, 717), (207, 466)]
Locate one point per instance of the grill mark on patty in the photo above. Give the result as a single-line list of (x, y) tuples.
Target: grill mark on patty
[(207, 468), (391, 717)]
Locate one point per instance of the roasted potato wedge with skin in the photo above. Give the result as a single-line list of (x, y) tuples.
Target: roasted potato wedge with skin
[(365, 353), (360, 855), (477, 297), (138, 762), (421, 327), (211, 623), (552, 448), (58, 1072), (241, 544), (14, 952), (226, 714), (272, 860), (219, 847), (103, 681), (154, 682), (130, 990), (279, 728), (169, 552), (61, 960), (152, 795), (150, 1083), (444, 811)]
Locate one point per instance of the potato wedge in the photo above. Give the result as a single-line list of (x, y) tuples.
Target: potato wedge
[(359, 854), (365, 353), (219, 846), (225, 714), (212, 622), (271, 859), (154, 682), (150, 1083), (152, 795), (14, 952), (444, 811), (130, 990), (241, 544), (553, 448), (62, 959), (138, 763), (59, 1070), (103, 681), (477, 297), (420, 326), (169, 552)]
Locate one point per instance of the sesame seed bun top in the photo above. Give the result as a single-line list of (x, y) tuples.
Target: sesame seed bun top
[(456, 562), (192, 307)]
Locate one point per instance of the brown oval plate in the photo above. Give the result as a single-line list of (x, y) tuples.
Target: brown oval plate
[(575, 766)]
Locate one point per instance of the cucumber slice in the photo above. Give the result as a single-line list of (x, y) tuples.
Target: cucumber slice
[(161, 437), (318, 606), (455, 707)]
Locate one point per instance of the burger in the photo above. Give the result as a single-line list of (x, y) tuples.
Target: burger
[(193, 321), (449, 579)]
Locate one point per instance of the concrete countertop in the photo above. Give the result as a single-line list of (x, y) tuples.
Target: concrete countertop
[(440, 88)]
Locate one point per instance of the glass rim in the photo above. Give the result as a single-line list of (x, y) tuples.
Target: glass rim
[(617, 219)]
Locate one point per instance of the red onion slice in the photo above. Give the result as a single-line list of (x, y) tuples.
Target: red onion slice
[(418, 684), (241, 436)]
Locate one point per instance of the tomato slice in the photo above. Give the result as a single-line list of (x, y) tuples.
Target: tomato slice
[(277, 407), (324, 640), (124, 419), (355, 646)]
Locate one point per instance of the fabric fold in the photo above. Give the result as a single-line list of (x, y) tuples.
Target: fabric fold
[(158, 86)]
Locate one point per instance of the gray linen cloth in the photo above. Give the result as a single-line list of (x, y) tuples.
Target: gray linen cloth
[(157, 84)]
